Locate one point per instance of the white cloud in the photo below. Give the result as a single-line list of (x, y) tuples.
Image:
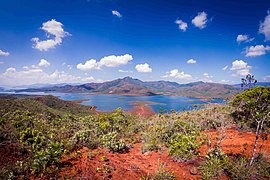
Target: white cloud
[(30, 75), (88, 65), (241, 68), (191, 61), (114, 61), (1, 62), (265, 27), (67, 65), (179, 75), (257, 50), (52, 28), (240, 38), (224, 81), (145, 68), (225, 68), (86, 79), (107, 61), (124, 71), (43, 63), (116, 13), (207, 77), (200, 20), (3, 53), (239, 64), (266, 78), (182, 25)]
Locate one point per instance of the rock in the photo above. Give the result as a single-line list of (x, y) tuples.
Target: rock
[(193, 171)]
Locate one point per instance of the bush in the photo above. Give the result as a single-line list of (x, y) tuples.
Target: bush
[(113, 143), (214, 165), (239, 168), (252, 105), (184, 144), (47, 160), (82, 138)]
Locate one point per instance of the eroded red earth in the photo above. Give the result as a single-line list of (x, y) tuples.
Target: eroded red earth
[(100, 164)]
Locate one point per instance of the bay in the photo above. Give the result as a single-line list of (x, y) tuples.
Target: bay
[(107, 102)]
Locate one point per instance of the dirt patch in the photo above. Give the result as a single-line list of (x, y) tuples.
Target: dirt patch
[(101, 164), (143, 110), (238, 142)]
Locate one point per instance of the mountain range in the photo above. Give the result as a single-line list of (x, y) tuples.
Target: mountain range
[(136, 87)]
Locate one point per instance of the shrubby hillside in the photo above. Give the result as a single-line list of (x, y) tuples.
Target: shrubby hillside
[(44, 137)]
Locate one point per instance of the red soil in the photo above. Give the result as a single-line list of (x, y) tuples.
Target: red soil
[(129, 166), (143, 110), (92, 164), (134, 164), (238, 142)]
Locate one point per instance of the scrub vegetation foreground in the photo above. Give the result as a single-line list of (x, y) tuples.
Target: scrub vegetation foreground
[(45, 137)]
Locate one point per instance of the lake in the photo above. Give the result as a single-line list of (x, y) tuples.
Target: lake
[(106, 102)]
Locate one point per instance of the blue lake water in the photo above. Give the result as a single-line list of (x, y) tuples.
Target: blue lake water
[(105, 102)]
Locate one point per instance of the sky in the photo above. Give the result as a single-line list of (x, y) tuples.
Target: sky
[(83, 41)]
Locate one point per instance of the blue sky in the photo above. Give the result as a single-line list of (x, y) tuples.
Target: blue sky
[(85, 41)]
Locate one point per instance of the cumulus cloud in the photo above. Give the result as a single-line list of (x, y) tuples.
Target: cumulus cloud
[(243, 38), (43, 63), (30, 75), (3, 53), (207, 77), (240, 67), (52, 28), (225, 68), (116, 13), (144, 68), (179, 75), (114, 61), (200, 20), (191, 61), (88, 65), (107, 61), (265, 27), (182, 25), (257, 50), (239, 64)]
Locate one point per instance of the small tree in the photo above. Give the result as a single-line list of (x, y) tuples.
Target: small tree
[(248, 82), (255, 104)]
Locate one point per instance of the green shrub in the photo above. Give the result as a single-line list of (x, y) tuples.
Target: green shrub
[(32, 137), (82, 138), (113, 142), (252, 105), (47, 160), (184, 144), (239, 168), (214, 165)]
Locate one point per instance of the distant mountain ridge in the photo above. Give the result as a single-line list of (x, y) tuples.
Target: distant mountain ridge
[(136, 87), (257, 84)]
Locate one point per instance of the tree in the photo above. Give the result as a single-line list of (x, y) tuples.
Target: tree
[(248, 82), (255, 106)]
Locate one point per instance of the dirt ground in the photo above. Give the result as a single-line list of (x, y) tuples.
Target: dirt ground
[(100, 164)]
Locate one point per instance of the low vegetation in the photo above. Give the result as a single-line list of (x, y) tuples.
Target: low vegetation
[(41, 131)]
